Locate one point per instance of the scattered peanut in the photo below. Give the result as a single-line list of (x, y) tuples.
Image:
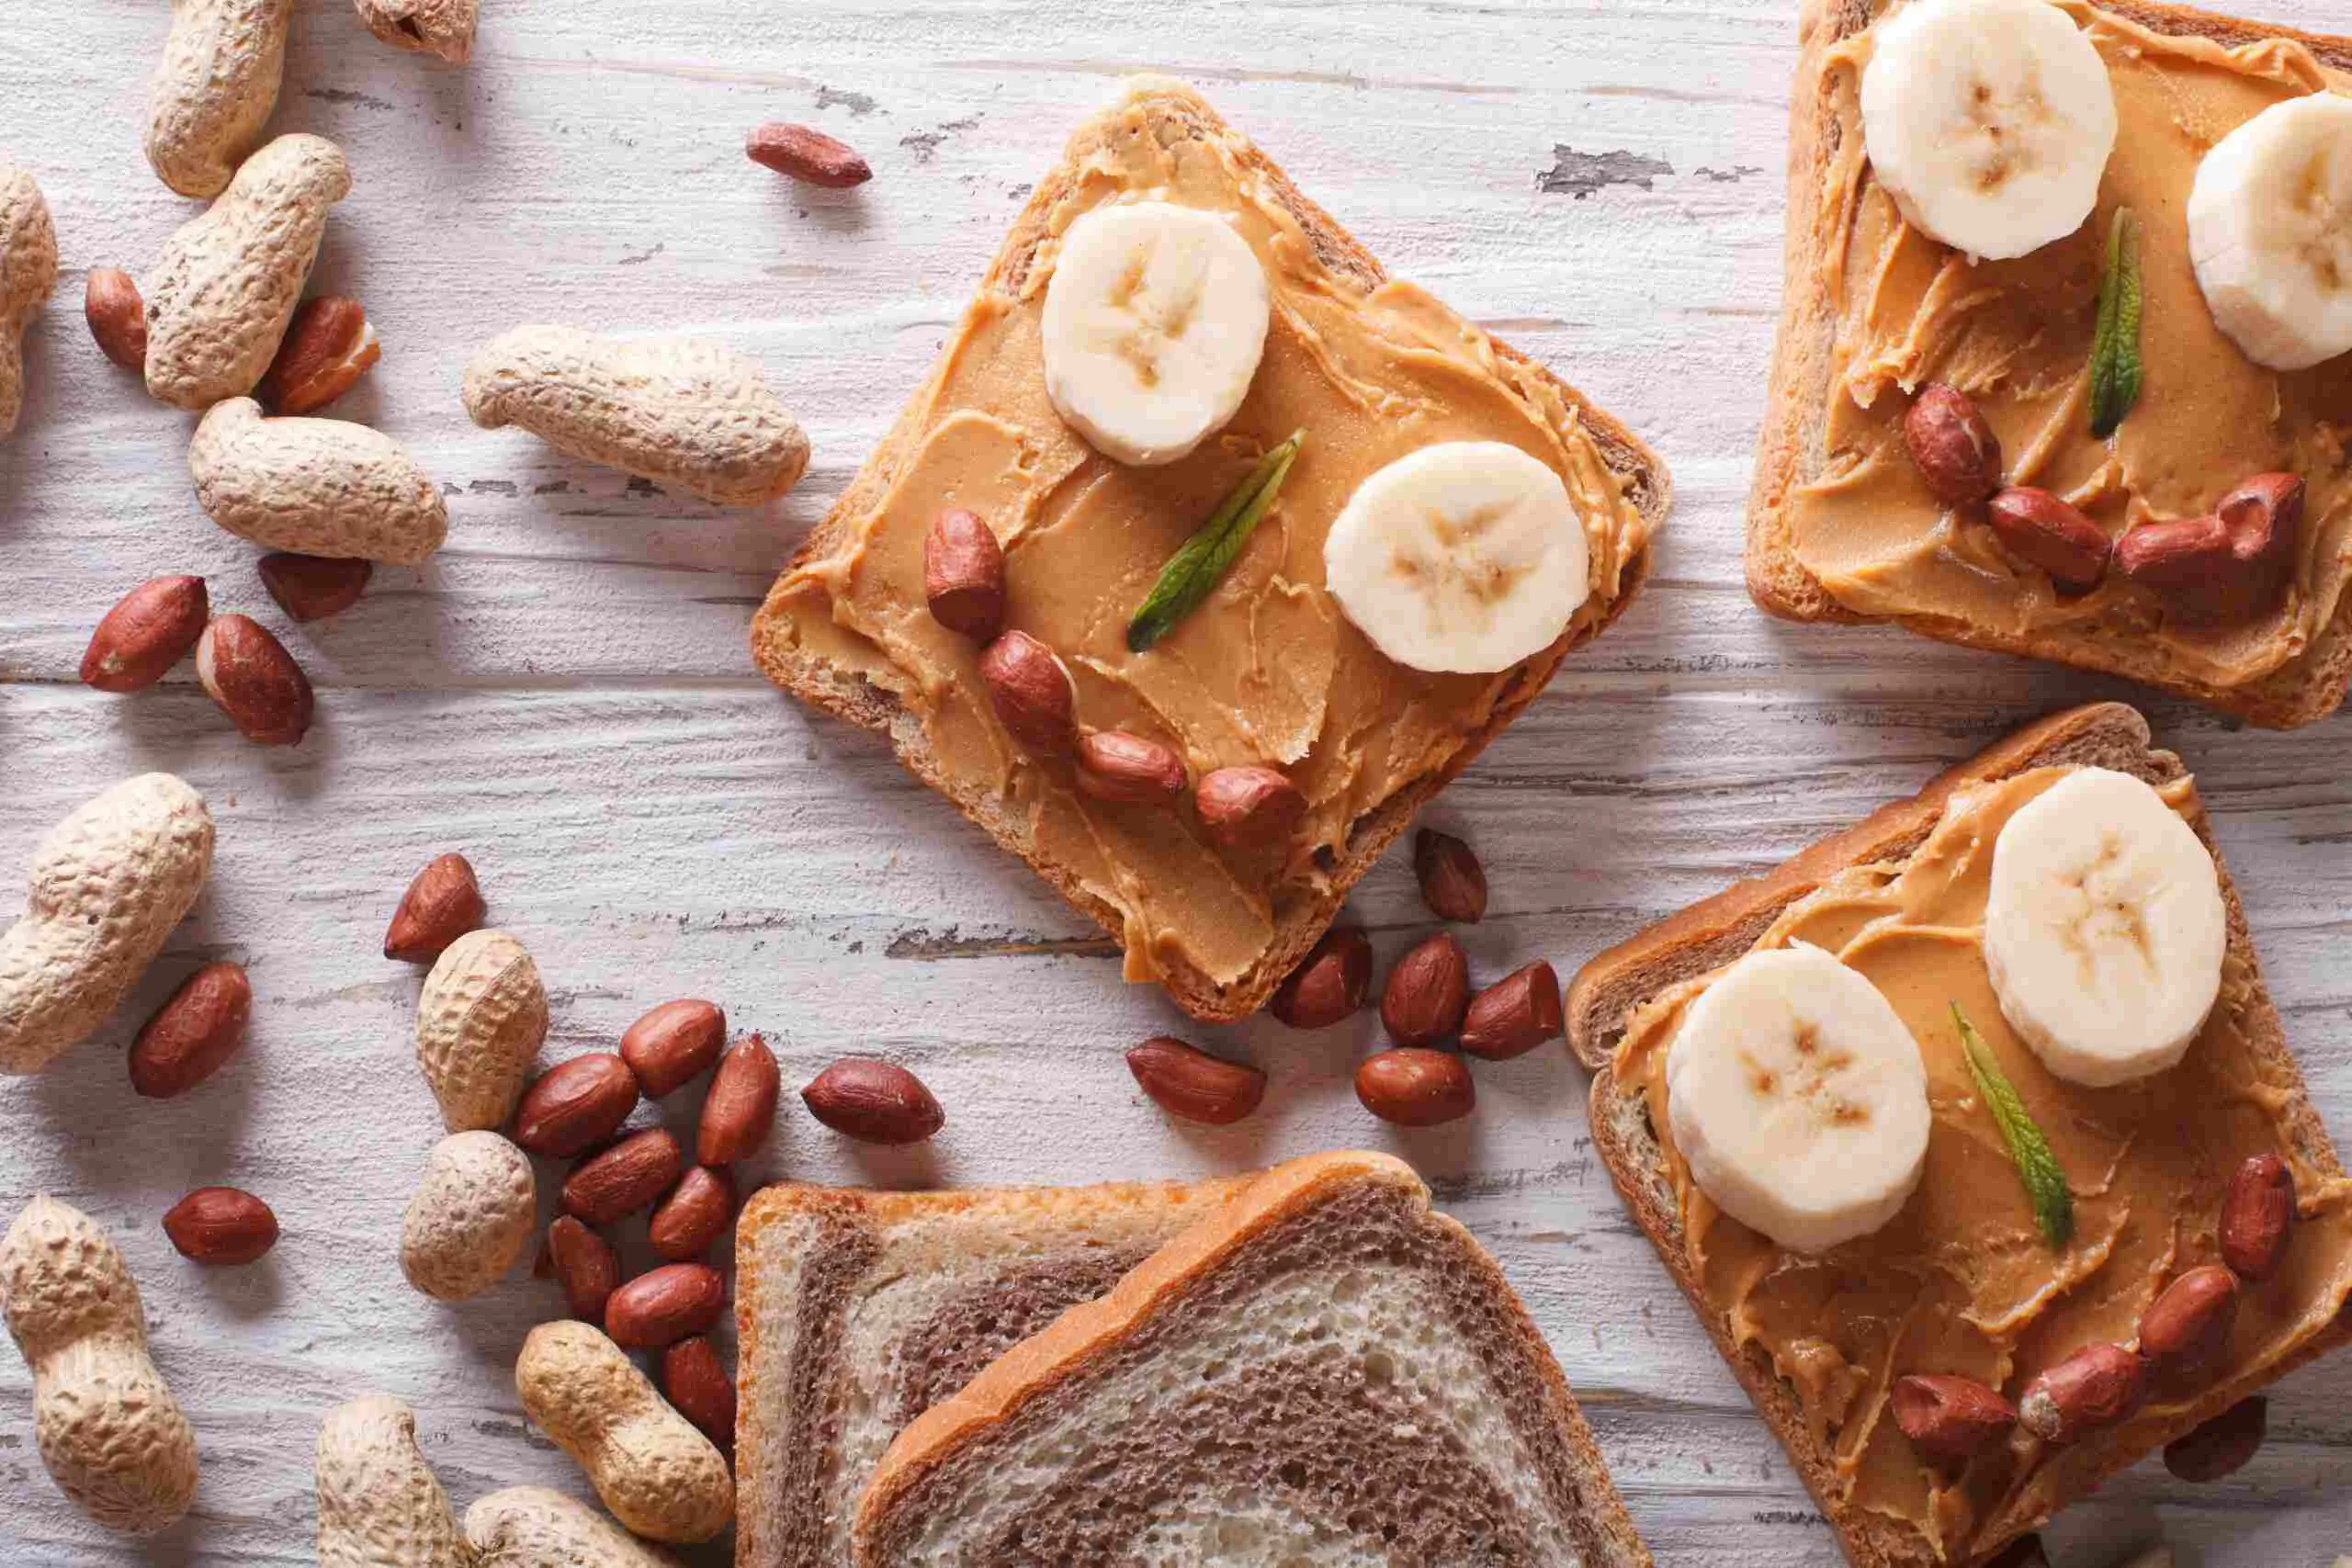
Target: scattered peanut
[(443, 29), (214, 90), (807, 154), (663, 1305), (471, 1218), (530, 1527), (219, 300), (1413, 1087), (1330, 984), (1454, 885), (689, 1221), (442, 904), (221, 1227), (697, 1384), (328, 347), (110, 1433), (117, 315), (311, 588), (380, 1504), (575, 1105), (247, 671), (148, 631), (680, 411), (321, 486), (479, 1021), (624, 1178), (28, 272), (194, 1033), (672, 1043), (740, 1106), (585, 1265), (106, 889), (661, 1479)]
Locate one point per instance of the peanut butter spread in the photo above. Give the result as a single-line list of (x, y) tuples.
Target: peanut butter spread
[(2017, 336), (1962, 1281), (1268, 670)]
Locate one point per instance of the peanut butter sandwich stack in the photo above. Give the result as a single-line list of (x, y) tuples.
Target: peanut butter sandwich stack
[(2065, 361), (1973, 1137), (1208, 552)]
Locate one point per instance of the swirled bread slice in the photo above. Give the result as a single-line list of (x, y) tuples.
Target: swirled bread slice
[(1322, 1374), (857, 1311)]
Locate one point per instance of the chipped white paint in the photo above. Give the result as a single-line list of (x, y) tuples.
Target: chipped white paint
[(563, 691)]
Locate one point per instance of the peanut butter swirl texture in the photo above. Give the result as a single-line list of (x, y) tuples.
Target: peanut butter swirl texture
[(2017, 337), (1961, 1280), (1267, 670)]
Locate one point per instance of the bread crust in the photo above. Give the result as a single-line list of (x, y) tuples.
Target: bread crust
[(765, 1230), (1790, 448), (1716, 930), (844, 694), (1038, 1366)]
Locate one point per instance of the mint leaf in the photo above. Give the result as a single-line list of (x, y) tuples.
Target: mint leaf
[(2045, 1183), (1203, 560), (2116, 368)]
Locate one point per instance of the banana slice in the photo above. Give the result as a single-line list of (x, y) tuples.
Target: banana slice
[(1797, 1096), (1461, 558), (2104, 928), (1989, 121), (2270, 233), (1155, 322)]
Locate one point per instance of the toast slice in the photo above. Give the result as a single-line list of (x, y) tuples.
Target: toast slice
[(1829, 184), (1639, 980), (1266, 671), (1323, 1372), (856, 1311)]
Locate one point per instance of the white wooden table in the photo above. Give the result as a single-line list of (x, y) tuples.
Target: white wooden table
[(564, 693)]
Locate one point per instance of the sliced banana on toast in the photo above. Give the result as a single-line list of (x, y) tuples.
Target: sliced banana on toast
[(1154, 323), (1798, 1096), (1989, 121), (2104, 928), (1466, 557), (2270, 233)]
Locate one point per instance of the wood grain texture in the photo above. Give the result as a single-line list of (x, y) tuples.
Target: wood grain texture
[(564, 693)]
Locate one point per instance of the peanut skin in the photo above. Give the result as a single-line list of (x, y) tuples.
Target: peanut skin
[(443, 29), (219, 297), (316, 487), (214, 90), (379, 1502), (692, 415), (28, 272), (661, 1479), (110, 1433), (106, 887)]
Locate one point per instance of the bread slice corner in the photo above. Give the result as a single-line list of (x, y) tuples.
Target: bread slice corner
[(856, 1309), (1178, 111), (1232, 1369), (1717, 931)]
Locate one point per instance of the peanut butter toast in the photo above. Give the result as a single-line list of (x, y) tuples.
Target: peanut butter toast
[(1324, 1372), (1948, 1378), (1265, 684), (2147, 497), (857, 1311)]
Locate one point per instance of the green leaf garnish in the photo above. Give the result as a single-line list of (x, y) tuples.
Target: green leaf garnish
[(2045, 1184), (2116, 370), (1196, 567)]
